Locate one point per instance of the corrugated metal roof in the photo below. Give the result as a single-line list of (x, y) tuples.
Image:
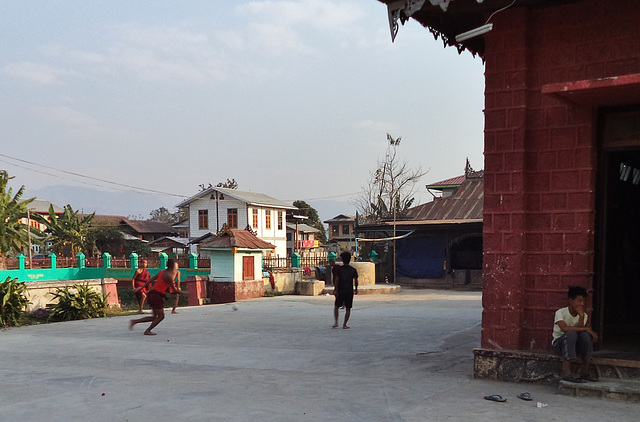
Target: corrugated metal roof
[(304, 228), (251, 198), (42, 207), (170, 241), (236, 239), (144, 226), (341, 218), (465, 204)]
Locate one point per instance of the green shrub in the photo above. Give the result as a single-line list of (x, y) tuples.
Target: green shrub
[(77, 302), (13, 301)]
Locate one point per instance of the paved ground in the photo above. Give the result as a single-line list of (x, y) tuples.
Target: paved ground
[(407, 357)]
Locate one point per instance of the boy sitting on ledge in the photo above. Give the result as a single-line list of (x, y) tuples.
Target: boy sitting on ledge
[(573, 336)]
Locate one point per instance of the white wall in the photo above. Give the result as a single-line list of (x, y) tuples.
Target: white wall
[(245, 216), (210, 206)]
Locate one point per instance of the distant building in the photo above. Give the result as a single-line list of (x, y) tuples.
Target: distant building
[(211, 208), (341, 233), (307, 244)]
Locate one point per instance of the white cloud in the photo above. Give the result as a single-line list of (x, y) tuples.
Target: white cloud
[(36, 72), (374, 125), (77, 126), (316, 13)]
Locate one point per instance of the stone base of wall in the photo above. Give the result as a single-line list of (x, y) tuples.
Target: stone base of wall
[(284, 281), (197, 290), (40, 292), (310, 287), (454, 280), (515, 366), (233, 291)]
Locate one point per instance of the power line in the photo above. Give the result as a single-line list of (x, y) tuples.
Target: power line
[(122, 185)]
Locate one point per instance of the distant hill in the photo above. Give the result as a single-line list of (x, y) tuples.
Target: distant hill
[(139, 205), (88, 200)]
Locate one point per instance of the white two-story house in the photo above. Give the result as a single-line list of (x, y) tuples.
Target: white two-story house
[(210, 209)]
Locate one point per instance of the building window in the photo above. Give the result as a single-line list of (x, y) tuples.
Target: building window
[(280, 218), (203, 219), (335, 229), (345, 229), (232, 218), (267, 220), (289, 237), (255, 219)]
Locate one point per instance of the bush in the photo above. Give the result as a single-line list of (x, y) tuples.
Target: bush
[(82, 303), (12, 302)]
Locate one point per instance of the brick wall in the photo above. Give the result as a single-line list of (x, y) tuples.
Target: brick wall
[(541, 159)]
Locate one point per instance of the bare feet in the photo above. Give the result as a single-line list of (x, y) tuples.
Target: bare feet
[(344, 327), (140, 311), (334, 326), (131, 324), (173, 312), (149, 333)]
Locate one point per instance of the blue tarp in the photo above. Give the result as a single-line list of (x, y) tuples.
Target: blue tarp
[(420, 257)]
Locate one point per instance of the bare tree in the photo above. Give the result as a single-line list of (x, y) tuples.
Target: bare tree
[(391, 187), (229, 184)]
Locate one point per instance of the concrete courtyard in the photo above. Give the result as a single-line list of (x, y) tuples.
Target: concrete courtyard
[(407, 357)]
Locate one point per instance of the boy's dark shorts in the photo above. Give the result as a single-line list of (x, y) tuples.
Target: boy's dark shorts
[(156, 299), (345, 299)]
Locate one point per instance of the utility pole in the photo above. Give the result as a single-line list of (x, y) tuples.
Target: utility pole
[(29, 235)]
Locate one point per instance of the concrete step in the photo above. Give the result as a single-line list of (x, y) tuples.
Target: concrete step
[(371, 289), (605, 388), (616, 368)]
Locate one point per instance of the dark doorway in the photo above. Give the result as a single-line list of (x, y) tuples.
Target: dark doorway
[(618, 286)]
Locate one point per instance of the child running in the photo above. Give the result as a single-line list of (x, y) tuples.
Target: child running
[(156, 297)]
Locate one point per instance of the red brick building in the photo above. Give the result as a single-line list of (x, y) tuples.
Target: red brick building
[(562, 160)]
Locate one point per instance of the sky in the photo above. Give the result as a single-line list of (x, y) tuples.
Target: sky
[(293, 99)]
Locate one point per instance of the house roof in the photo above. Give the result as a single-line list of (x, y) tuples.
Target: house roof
[(144, 226), (104, 220), (304, 228), (454, 181), (465, 204), (179, 242), (42, 207), (236, 239), (341, 218), (251, 198), (448, 18)]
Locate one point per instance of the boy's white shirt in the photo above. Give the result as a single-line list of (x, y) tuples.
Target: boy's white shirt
[(563, 314)]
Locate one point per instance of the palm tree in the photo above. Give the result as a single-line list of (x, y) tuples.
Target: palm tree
[(68, 232), (14, 233)]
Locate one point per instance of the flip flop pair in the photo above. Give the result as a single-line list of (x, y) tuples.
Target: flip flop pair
[(495, 397), (525, 396)]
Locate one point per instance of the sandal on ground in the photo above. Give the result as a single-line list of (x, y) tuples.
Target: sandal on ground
[(589, 377), (495, 397), (525, 396), (574, 379)]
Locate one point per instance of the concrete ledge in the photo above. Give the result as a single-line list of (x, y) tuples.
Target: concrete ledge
[(310, 287), (232, 291), (613, 389), (515, 366)]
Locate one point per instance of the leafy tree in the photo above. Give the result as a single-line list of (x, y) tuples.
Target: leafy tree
[(14, 233), (390, 188), (229, 184), (164, 216), (68, 232), (314, 219)]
